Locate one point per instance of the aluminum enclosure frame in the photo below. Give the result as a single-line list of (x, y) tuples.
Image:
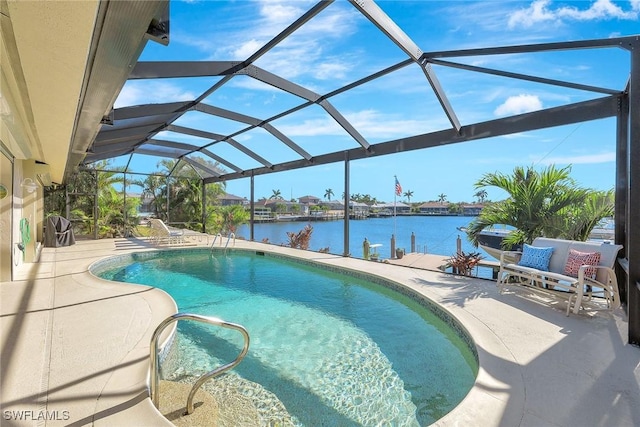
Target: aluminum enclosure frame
[(134, 129)]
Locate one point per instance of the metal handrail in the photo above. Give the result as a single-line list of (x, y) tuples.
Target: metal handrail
[(204, 377), (231, 235), (214, 241)]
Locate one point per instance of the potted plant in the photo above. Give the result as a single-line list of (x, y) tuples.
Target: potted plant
[(463, 263)]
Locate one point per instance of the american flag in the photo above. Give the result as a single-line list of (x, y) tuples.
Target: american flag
[(398, 187)]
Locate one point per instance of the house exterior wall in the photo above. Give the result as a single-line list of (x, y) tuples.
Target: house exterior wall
[(6, 214)]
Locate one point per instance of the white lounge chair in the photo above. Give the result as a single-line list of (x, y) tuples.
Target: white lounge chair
[(161, 234)]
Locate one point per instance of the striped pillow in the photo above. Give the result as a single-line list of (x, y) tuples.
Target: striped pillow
[(577, 259)]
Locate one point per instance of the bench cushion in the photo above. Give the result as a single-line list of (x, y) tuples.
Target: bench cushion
[(576, 259), (536, 257)]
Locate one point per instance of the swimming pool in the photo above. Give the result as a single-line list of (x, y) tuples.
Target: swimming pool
[(334, 348)]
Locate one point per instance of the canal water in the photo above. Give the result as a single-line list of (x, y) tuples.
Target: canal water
[(433, 234)]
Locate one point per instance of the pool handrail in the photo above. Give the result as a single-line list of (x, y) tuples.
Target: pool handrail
[(229, 237), (215, 238), (153, 386)]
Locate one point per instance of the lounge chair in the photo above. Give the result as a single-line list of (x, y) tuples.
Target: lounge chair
[(161, 234)]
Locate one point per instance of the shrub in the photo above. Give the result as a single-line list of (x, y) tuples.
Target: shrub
[(300, 239), (464, 263)]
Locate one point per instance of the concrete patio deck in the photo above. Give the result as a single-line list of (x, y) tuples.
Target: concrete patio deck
[(75, 347)]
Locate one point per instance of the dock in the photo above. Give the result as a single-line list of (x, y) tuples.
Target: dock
[(422, 261), (434, 262)]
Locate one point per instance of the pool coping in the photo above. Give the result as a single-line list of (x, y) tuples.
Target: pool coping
[(525, 350)]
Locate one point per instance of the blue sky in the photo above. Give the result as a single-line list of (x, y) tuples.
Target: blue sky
[(340, 46)]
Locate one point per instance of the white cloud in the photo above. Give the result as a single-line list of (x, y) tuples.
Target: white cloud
[(540, 12), (150, 92), (518, 105), (370, 123), (537, 12), (277, 12), (583, 159), (306, 52), (331, 70), (246, 49), (312, 127), (373, 123), (601, 9)]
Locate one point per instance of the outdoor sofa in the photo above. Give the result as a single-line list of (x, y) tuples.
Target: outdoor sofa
[(580, 271)]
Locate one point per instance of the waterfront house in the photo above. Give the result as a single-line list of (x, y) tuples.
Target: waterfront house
[(283, 206), (471, 209), (358, 209), (227, 199), (400, 208), (434, 208), (309, 200), (332, 205), (261, 211)]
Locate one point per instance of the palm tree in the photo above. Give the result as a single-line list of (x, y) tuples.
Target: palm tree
[(442, 198), (540, 204), (276, 195), (578, 221), (481, 195), (408, 194), (328, 193)]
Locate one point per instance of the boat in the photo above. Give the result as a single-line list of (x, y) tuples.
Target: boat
[(605, 230), (490, 240), (288, 217)]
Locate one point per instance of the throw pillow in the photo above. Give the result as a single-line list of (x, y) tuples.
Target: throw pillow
[(576, 259), (535, 257)]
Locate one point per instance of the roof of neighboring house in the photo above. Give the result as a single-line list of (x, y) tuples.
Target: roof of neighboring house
[(279, 201), (434, 205), (390, 205), (308, 199), (227, 196)]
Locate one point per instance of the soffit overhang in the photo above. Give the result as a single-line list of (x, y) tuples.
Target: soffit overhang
[(65, 64)]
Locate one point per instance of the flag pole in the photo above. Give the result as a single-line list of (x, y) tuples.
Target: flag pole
[(395, 195)]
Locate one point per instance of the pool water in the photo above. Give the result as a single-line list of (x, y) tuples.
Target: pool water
[(336, 350)]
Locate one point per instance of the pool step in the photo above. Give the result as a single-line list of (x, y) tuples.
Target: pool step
[(173, 401), (229, 408)]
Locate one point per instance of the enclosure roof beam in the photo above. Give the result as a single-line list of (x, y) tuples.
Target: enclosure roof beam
[(147, 110), (551, 117), (131, 132), (253, 122), (627, 43), (217, 137), (172, 144), (385, 24), (199, 166), (524, 77), (156, 153), (221, 160), (191, 149)]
